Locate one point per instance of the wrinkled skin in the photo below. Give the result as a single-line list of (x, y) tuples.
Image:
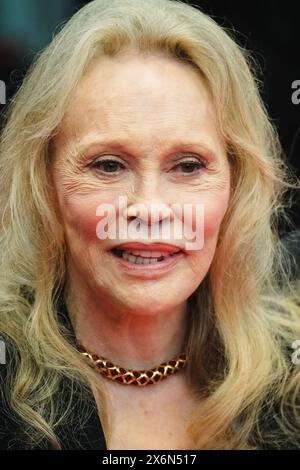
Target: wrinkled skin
[(161, 112)]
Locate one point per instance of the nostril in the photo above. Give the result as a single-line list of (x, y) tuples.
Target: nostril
[(148, 214)]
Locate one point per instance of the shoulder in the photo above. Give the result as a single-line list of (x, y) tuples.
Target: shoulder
[(80, 430)]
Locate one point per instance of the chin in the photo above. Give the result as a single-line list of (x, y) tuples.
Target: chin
[(140, 307)]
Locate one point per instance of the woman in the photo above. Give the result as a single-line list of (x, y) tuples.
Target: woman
[(150, 102)]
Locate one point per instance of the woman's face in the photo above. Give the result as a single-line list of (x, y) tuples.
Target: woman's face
[(141, 127)]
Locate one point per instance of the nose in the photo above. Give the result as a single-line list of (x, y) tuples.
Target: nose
[(146, 205), (150, 213)]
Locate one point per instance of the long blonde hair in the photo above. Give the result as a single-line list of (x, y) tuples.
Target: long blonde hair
[(245, 314)]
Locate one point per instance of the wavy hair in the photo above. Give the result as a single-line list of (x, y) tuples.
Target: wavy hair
[(243, 316)]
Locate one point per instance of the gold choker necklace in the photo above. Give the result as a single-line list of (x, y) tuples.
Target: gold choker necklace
[(134, 377)]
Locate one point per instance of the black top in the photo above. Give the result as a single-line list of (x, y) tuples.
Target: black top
[(89, 434)]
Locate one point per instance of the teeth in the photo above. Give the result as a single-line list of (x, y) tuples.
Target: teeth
[(131, 258), (139, 259), (143, 257), (147, 254), (144, 261)]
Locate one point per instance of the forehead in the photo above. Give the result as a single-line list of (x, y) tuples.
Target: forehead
[(145, 98)]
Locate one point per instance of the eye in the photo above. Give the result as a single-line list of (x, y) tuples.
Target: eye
[(107, 165), (191, 166)]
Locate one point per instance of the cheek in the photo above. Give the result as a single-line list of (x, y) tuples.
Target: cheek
[(215, 206), (214, 211), (80, 215), (205, 214)]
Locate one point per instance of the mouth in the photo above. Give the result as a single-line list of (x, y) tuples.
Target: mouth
[(146, 258), (147, 261)]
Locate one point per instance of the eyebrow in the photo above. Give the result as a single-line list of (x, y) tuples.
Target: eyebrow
[(123, 145)]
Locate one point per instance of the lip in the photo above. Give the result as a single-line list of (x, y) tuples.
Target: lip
[(161, 247), (149, 271)]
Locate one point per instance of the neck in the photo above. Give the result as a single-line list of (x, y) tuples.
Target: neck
[(128, 337)]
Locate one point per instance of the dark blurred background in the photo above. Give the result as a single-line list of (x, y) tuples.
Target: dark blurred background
[(271, 30)]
